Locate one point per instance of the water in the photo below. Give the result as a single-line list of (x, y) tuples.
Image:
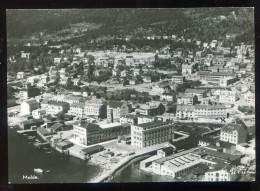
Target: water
[(23, 158), (132, 173)]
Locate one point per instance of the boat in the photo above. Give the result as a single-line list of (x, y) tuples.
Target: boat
[(38, 170), (49, 152), (31, 137), (47, 171)]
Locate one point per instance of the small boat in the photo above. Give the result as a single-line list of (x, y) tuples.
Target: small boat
[(37, 140), (31, 137), (38, 170), (49, 152), (47, 171)]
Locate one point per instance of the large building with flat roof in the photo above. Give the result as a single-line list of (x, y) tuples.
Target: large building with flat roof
[(152, 133), (175, 166), (91, 133)]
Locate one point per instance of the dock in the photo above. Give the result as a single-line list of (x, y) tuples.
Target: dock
[(25, 131)]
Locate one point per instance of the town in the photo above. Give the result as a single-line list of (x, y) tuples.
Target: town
[(186, 112)]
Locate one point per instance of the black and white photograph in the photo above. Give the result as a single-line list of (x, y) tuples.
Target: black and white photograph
[(131, 95)]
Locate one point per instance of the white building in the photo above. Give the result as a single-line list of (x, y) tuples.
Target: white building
[(228, 96)]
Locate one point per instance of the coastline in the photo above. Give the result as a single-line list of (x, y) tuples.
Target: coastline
[(107, 175)]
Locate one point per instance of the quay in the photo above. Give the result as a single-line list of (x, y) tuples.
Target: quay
[(107, 175), (25, 131)]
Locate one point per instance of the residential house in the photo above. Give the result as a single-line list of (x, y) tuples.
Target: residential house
[(186, 99), (187, 69), (200, 93), (20, 75), (228, 96), (152, 109)]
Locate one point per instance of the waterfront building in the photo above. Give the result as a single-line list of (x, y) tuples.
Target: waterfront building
[(29, 124), (115, 110), (234, 133), (152, 133), (28, 106), (175, 166), (90, 133)]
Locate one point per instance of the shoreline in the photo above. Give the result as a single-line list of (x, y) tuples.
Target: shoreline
[(107, 176)]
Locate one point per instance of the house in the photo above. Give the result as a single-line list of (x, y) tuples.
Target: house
[(56, 127), (87, 152), (187, 69), (123, 73), (57, 60), (228, 96), (76, 81), (200, 93), (20, 75), (179, 79), (186, 99), (132, 82), (115, 72), (25, 55), (159, 89), (234, 133), (168, 97), (147, 79), (77, 109), (136, 72), (28, 106), (249, 97), (73, 99), (152, 109), (115, 110)]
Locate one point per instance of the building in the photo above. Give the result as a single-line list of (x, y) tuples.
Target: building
[(115, 110), (25, 55), (73, 99), (220, 173), (200, 93), (98, 110), (54, 107), (152, 109), (249, 97), (145, 119), (187, 69), (187, 99), (179, 79), (226, 81), (38, 113), (77, 109), (30, 124), (201, 111), (175, 166), (28, 106), (20, 75), (164, 152), (147, 79), (228, 96), (234, 133), (153, 133), (159, 89), (168, 97), (131, 119), (132, 82), (89, 133)]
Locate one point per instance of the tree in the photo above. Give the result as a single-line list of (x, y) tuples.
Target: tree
[(60, 116)]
